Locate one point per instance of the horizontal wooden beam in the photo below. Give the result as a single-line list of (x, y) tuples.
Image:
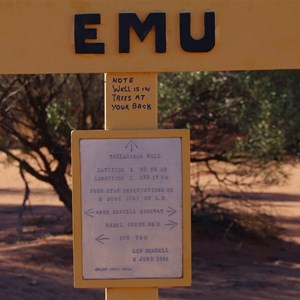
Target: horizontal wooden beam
[(39, 36)]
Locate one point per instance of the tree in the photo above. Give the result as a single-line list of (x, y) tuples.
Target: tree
[(37, 115), (244, 127), (246, 119), (234, 116)]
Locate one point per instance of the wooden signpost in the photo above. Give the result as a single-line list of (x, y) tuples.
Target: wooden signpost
[(131, 181), (133, 186)]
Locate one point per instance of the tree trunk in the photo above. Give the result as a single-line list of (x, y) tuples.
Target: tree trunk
[(63, 191)]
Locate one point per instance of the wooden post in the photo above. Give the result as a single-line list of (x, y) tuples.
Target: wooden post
[(131, 126), (131, 293), (131, 103)]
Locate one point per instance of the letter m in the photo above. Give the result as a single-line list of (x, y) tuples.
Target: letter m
[(127, 20)]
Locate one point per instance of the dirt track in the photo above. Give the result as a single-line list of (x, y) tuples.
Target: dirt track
[(39, 266)]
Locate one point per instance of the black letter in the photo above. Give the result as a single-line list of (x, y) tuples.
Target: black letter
[(206, 43), (81, 34), (158, 20)]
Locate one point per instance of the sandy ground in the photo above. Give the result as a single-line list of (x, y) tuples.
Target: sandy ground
[(37, 263)]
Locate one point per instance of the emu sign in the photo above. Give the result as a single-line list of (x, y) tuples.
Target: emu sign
[(131, 187), (156, 20), (86, 36)]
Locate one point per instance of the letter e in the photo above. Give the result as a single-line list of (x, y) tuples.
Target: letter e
[(81, 34)]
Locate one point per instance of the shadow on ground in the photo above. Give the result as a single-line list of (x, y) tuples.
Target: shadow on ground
[(37, 264)]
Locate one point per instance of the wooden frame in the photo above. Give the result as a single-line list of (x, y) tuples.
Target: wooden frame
[(79, 281)]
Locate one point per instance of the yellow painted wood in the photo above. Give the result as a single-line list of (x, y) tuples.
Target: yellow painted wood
[(131, 289), (38, 36), (130, 100), (77, 211), (131, 294)]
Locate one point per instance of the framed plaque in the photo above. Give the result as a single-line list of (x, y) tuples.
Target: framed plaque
[(131, 208)]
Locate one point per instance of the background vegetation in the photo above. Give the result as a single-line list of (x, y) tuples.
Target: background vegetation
[(37, 115), (244, 129), (244, 125)]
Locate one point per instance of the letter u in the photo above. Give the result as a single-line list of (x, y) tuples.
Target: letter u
[(204, 44)]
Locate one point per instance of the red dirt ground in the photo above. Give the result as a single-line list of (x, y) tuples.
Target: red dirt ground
[(37, 264)]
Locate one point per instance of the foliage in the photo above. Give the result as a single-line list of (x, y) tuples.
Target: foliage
[(234, 116), (37, 114), (247, 119), (244, 127)]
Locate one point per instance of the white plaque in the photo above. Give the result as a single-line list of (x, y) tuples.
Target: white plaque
[(131, 191)]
